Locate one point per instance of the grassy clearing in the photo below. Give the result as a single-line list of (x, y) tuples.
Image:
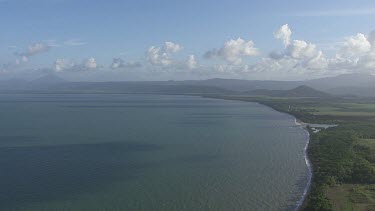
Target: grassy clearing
[(370, 143), (361, 106), (352, 197), (346, 109), (344, 113)]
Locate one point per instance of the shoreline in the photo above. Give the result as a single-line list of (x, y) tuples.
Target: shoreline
[(303, 125), (308, 164)]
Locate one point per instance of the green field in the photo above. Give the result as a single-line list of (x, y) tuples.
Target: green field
[(346, 109), (352, 197), (355, 196), (370, 143)]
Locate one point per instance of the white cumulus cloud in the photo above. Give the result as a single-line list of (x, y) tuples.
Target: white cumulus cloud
[(284, 33), (90, 63), (300, 53), (233, 51), (300, 49), (62, 64), (162, 56), (356, 45), (67, 65), (170, 47), (33, 49), (191, 62), (119, 63)]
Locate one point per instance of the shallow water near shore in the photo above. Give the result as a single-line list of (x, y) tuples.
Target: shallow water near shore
[(147, 152)]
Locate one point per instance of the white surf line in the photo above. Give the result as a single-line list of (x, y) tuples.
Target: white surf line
[(308, 164)]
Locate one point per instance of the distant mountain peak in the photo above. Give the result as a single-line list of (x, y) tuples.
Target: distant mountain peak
[(306, 91), (300, 91)]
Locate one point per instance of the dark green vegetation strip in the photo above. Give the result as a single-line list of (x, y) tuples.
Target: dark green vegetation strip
[(342, 156)]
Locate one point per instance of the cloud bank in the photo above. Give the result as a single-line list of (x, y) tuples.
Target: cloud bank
[(67, 65), (234, 58), (119, 63)]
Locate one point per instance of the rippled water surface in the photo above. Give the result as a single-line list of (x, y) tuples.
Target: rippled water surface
[(147, 152)]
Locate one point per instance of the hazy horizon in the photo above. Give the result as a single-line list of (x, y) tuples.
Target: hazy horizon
[(45, 77)]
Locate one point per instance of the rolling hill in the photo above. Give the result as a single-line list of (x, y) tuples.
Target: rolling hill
[(300, 91)]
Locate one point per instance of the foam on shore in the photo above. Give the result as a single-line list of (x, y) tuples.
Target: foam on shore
[(308, 164)]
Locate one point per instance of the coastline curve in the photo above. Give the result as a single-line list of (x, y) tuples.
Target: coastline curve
[(309, 168)]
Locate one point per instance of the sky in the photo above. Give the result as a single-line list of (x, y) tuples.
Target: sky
[(106, 40)]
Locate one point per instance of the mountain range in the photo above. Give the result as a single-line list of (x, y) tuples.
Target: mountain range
[(342, 85)]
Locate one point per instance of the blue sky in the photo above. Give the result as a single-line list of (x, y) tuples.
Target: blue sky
[(75, 31)]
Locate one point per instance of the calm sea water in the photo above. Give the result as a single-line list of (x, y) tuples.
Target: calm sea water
[(147, 152)]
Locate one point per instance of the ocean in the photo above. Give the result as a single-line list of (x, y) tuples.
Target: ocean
[(147, 152)]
